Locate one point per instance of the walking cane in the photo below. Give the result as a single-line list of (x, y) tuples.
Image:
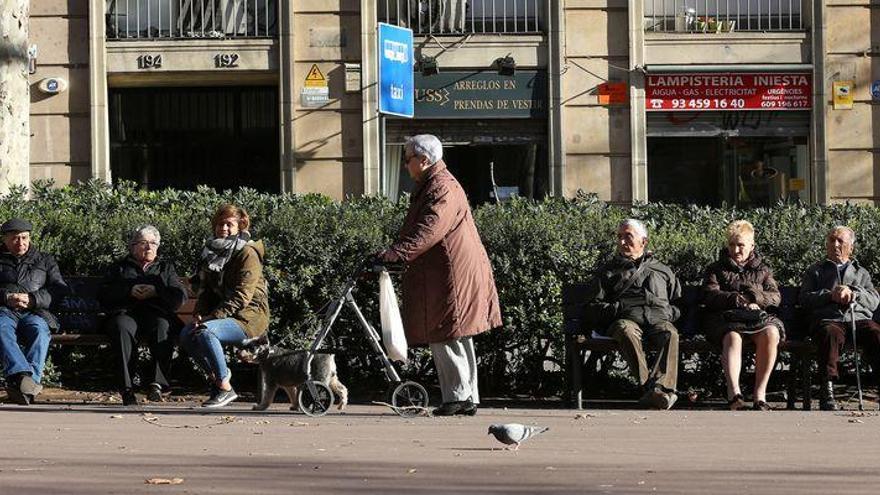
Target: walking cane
[(852, 316)]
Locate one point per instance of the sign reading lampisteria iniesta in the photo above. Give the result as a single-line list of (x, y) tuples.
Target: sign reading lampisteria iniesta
[(733, 91)]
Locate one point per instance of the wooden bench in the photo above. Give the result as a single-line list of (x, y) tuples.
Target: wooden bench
[(583, 346)]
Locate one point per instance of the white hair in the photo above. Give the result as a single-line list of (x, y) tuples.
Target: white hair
[(849, 232), (636, 225), (426, 145), (143, 231)]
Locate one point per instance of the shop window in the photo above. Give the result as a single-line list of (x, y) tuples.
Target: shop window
[(487, 173), (755, 171)]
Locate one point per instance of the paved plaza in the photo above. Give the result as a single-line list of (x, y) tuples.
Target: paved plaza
[(95, 448)]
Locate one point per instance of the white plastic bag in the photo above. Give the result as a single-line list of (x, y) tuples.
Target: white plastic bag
[(392, 325)]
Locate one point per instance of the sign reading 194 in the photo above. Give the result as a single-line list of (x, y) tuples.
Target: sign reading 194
[(147, 61), (226, 60)]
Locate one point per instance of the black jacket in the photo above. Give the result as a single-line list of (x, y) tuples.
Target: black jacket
[(641, 291), (822, 277), (115, 292), (36, 274)]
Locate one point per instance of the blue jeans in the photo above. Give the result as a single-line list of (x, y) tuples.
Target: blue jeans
[(206, 346), (30, 355)]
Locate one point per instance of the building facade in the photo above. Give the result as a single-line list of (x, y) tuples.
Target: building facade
[(742, 102)]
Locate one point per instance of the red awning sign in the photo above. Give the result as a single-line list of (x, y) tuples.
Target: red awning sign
[(730, 91)]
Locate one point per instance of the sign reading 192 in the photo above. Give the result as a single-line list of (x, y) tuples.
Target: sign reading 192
[(226, 60)]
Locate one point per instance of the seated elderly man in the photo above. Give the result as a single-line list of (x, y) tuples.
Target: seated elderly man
[(29, 280), (828, 289), (633, 292)]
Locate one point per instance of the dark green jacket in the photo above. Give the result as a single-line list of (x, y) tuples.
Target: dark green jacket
[(239, 291), (642, 291)]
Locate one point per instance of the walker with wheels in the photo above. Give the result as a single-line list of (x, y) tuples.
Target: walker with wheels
[(407, 398)]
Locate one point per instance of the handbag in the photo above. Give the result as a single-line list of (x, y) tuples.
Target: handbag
[(745, 315)]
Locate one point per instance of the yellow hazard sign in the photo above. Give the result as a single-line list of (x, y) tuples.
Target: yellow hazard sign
[(316, 79)]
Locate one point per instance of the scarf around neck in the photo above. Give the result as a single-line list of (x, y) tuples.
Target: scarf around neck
[(217, 252)]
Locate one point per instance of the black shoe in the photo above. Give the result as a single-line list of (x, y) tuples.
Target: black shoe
[(460, 407), (220, 398), (468, 409), (826, 397), (15, 395), (154, 392), (128, 398)]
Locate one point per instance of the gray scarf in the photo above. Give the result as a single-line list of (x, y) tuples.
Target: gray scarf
[(217, 252)]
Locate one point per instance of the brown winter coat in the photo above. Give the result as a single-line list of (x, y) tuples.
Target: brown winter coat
[(241, 293), (727, 285), (448, 288)]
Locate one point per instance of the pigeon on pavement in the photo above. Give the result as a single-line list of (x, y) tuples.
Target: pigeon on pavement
[(515, 433)]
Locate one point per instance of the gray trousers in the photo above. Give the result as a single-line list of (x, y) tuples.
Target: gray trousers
[(456, 365)]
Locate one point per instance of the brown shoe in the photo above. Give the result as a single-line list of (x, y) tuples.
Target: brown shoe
[(736, 402), (761, 405)]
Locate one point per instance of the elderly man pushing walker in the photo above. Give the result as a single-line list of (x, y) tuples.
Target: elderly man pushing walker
[(449, 291)]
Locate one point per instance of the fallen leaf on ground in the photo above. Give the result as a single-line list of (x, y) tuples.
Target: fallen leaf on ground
[(856, 421), (164, 481), (411, 470), (116, 416), (584, 416)]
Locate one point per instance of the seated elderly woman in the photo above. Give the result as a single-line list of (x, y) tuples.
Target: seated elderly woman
[(141, 294), (737, 291), (233, 303)]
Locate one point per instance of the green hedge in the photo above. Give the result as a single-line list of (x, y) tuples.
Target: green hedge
[(535, 246)]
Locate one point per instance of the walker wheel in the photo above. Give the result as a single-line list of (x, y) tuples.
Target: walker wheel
[(409, 399), (315, 398)]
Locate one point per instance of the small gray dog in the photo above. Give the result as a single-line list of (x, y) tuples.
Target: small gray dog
[(286, 369)]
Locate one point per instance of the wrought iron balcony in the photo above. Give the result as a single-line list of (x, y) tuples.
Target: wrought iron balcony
[(187, 19), (724, 16), (456, 17)]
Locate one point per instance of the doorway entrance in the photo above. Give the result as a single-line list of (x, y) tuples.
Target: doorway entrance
[(221, 137)]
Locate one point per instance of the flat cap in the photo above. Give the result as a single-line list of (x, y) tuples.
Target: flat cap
[(16, 225)]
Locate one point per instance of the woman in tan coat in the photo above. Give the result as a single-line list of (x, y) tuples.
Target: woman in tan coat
[(233, 303), (737, 291), (449, 291)]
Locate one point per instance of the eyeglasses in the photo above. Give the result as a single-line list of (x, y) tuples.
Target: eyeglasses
[(152, 244)]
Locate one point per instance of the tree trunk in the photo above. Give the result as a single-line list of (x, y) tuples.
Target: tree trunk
[(14, 95)]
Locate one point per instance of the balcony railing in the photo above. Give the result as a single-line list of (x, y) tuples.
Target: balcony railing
[(723, 16), (182, 19), (451, 17)]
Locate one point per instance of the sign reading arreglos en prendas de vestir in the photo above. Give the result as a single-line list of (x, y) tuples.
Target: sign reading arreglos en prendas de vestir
[(734, 91)]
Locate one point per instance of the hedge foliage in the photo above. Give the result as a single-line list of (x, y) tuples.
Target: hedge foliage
[(535, 246)]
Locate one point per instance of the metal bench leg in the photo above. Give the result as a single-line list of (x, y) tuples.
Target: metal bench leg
[(575, 370), (807, 384), (791, 382)]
